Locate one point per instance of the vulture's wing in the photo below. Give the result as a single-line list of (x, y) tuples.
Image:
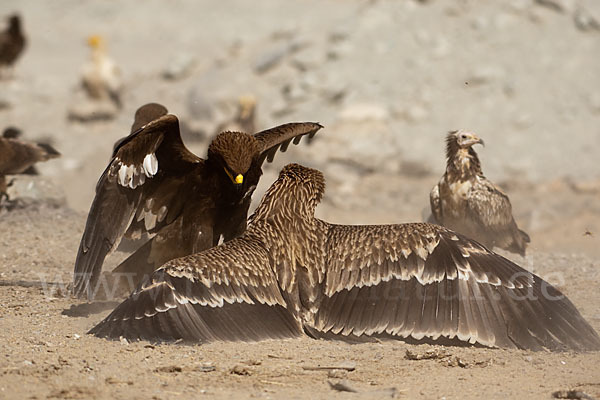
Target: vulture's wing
[(488, 206), (424, 281), (281, 136), (139, 190), (436, 205), (228, 292)]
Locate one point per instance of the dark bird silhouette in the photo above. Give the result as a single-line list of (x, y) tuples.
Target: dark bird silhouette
[(291, 273), (18, 156), (12, 41), (467, 202), (155, 185)]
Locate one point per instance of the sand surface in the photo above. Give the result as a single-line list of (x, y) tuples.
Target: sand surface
[(387, 79)]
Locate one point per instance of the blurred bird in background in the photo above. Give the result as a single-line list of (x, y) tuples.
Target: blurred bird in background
[(12, 42), (101, 77), (244, 118), (101, 83), (18, 156)]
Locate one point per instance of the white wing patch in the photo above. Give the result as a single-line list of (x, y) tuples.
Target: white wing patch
[(132, 176), (150, 165)]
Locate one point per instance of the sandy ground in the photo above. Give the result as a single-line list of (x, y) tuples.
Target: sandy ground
[(387, 79)]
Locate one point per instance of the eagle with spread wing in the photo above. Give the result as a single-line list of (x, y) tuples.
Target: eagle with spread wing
[(467, 202), (291, 273), (155, 185)]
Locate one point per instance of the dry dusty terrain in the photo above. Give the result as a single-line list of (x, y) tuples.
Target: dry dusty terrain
[(387, 79)]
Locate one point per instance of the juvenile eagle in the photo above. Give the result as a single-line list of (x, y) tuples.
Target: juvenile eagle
[(291, 273), (154, 184), (18, 156), (467, 202), (12, 42)]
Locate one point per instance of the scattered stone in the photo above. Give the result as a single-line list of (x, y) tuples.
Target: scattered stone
[(92, 112), (342, 386), (433, 354), (179, 67), (169, 369), (240, 370), (31, 190), (572, 394), (347, 366), (271, 58), (204, 368), (337, 374), (484, 75), (562, 6), (115, 381), (293, 92), (308, 58), (585, 21)]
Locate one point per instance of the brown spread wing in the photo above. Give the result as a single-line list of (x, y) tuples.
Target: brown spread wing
[(424, 281), (139, 190), (228, 292), (280, 137)]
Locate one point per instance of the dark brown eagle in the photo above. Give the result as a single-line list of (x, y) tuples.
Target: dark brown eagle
[(18, 156), (12, 42), (291, 273), (467, 202), (154, 184)]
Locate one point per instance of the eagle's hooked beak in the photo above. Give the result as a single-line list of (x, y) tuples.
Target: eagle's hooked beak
[(237, 180)]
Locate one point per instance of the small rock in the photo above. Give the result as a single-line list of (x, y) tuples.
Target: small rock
[(572, 394), (294, 92), (31, 190), (169, 369), (92, 111), (271, 58), (485, 74), (179, 67), (519, 6), (433, 354), (342, 386), (206, 367), (585, 21), (308, 58), (240, 370), (337, 374), (562, 6)]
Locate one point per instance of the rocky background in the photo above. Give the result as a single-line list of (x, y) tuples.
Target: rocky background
[(387, 79)]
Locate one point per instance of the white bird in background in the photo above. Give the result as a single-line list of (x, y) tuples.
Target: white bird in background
[(101, 76)]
